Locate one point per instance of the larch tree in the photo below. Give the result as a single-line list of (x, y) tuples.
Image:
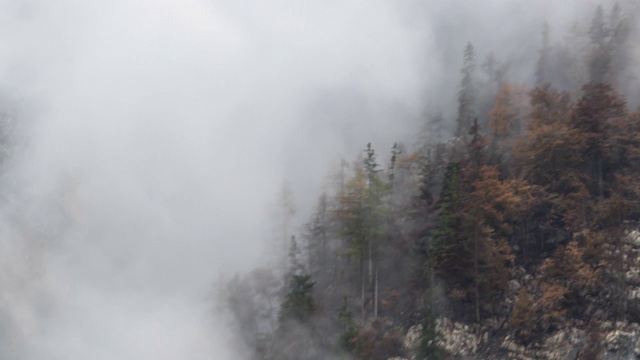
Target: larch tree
[(490, 199), (506, 122), (551, 154), (567, 278), (361, 210), (523, 316), (591, 117), (550, 147), (352, 213), (504, 116)]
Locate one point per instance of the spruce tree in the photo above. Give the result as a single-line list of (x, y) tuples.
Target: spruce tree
[(467, 94), (543, 66), (600, 56), (428, 347), (298, 303)]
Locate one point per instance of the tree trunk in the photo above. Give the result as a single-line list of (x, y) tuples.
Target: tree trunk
[(475, 271), (375, 295), (600, 191), (362, 287), (371, 266)]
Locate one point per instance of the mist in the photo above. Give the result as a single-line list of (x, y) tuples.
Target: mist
[(150, 138)]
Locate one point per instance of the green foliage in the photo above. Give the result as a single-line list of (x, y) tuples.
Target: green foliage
[(451, 250), (298, 303), (348, 328), (449, 205), (295, 266), (428, 347), (361, 207), (392, 163), (352, 213), (467, 95)]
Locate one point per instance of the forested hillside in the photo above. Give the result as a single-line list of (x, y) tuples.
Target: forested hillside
[(516, 218)]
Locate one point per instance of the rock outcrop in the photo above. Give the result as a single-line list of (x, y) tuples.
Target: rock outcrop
[(619, 341)]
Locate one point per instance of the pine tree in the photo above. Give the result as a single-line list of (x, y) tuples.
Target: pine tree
[(349, 328), (429, 347), (600, 55), (451, 248), (241, 304), (298, 303), (543, 65), (376, 190), (295, 264), (295, 337), (467, 94), (620, 29), (395, 151), (286, 210), (434, 129), (318, 244), (598, 32)]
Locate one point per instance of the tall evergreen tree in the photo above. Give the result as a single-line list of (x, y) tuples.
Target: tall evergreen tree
[(434, 129), (318, 244), (467, 93), (451, 249), (600, 55), (543, 65), (295, 262), (429, 347), (620, 29), (376, 190), (298, 303)]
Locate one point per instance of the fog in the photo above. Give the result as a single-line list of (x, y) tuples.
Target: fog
[(151, 138)]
